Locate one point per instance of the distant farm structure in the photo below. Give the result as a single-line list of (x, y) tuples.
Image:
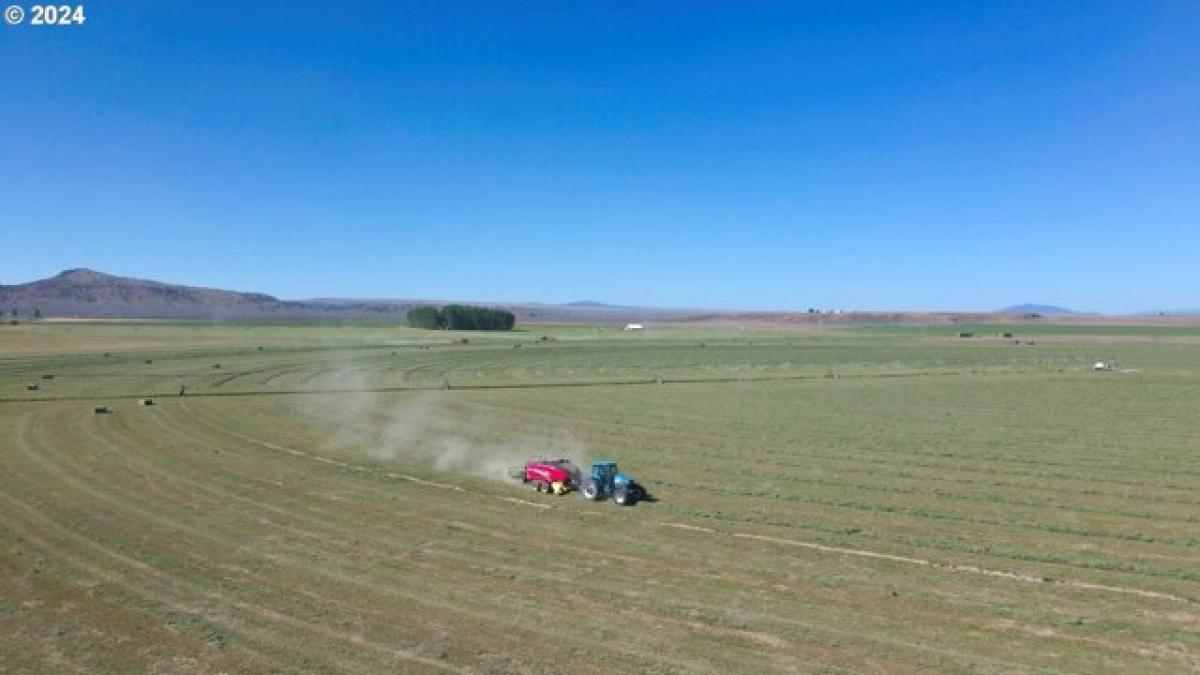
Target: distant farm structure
[(634, 326)]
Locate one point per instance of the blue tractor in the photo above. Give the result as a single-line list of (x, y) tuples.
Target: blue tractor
[(606, 480)]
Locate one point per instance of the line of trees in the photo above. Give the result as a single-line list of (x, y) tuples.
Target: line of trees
[(460, 317)]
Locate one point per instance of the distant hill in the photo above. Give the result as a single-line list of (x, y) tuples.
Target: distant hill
[(86, 293), (1030, 308), (91, 294)]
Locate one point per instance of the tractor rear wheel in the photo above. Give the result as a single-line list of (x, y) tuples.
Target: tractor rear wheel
[(591, 491)]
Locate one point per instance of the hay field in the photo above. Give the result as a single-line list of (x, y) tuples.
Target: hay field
[(839, 501)]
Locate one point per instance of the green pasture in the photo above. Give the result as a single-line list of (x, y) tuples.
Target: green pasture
[(332, 498)]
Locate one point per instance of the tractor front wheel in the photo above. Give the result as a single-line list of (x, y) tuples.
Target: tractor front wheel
[(591, 491), (623, 497)]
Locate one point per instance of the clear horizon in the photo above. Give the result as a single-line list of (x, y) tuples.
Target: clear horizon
[(585, 301), (781, 156)]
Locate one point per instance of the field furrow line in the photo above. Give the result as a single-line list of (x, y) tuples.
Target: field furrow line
[(924, 562)]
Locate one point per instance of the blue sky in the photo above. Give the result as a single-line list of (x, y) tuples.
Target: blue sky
[(947, 155)]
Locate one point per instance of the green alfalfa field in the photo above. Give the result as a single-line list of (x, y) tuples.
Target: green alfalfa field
[(333, 499)]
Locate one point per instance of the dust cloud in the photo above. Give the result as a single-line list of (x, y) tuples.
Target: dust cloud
[(435, 429)]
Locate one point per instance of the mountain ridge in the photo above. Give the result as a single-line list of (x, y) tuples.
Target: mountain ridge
[(87, 293)]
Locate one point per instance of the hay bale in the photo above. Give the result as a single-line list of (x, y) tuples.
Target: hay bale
[(33, 387), (145, 401), (102, 410), (48, 377), (216, 366)]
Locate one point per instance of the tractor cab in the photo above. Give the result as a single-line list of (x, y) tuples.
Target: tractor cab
[(604, 472)]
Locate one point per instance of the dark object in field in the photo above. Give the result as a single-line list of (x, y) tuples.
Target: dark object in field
[(146, 401), (966, 335), (102, 410), (182, 389), (216, 366), (33, 387), (1007, 335), (260, 349), (108, 353), (149, 361), (48, 377), (516, 346)]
